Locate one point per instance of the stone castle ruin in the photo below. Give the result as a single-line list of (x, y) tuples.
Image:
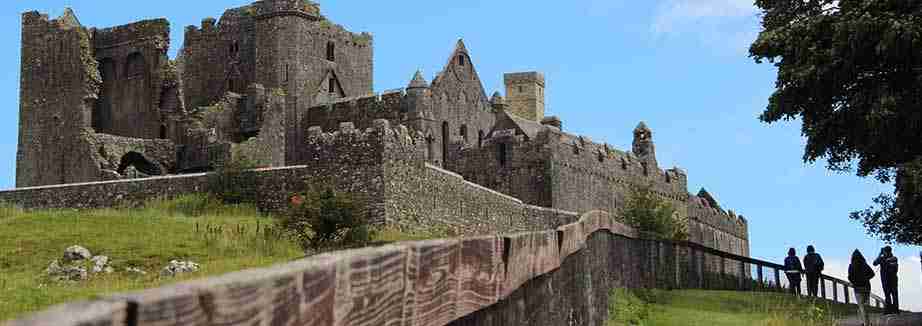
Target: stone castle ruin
[(276, 81)]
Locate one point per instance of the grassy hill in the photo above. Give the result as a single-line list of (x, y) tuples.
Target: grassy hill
[(718, 308), (221, 238)]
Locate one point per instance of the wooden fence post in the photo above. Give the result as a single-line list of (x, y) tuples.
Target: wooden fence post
[(823, 286), (742, 277), (845, 287), (778, 280)]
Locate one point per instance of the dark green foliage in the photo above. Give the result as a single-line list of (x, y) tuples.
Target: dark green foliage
[(851, 71), (650, 214), (232, 181), (896, 218), (323, 218)]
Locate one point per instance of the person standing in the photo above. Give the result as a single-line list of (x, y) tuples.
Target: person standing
[(813, 266), (889, 265), (860, 274), (793, 269)]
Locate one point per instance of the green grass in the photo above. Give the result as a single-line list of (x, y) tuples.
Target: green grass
[(718, 308), (221, 238)]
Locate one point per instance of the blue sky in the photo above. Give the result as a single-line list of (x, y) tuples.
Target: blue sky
[(679, 65)]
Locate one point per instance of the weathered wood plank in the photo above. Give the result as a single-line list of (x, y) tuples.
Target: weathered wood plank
[(481, 273), (520, 261), (573, 240), (370, 287), (177, 305), (433, 276)]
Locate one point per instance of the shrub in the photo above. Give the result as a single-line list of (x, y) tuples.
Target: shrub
[(323, 218), (648, 213), (232, 181)]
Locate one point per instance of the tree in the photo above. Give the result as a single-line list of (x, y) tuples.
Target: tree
[(648, 213), (851, 70)]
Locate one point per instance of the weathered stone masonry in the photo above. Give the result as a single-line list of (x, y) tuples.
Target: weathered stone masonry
[(279, 83)]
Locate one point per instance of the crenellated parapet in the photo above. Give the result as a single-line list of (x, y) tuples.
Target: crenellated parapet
[(702, 211), (370, 146), (361, 111)]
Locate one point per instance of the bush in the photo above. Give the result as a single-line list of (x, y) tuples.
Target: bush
[(648, 213), (232, 181), (323, 218)]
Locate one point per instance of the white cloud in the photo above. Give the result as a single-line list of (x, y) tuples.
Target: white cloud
[(721, 24), (910, 280)]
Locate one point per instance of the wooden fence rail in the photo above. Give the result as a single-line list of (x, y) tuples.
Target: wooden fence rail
[(745, 282)]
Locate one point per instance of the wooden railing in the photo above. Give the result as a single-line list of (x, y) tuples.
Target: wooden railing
[(745, 280)]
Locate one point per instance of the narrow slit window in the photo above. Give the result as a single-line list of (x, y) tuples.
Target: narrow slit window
[(501, 154), (331, 51), (332, 85), (461, 60)]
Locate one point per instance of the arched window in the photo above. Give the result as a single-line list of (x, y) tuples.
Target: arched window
[(162, 131), (463, 132), (332, 85), (461, 60), (331, 51)]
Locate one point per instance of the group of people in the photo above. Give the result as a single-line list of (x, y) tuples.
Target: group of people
[(859, 274)]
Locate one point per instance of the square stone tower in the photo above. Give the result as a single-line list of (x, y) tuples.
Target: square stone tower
[(525, 94)]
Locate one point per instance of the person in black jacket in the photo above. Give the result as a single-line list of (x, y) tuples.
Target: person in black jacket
[(813, 266), (792, 269), (888, 268), (860, 274)]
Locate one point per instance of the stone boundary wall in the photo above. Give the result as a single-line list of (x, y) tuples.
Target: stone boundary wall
[(420, 195), (275, 183)]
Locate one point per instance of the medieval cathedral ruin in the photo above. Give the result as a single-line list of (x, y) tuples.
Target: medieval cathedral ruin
[(281, 84)]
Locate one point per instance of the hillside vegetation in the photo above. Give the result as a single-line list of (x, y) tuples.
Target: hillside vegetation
[(719, 308), (221, 238)]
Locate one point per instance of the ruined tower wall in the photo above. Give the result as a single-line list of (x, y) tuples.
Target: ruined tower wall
[(218, 58), (279, 44), (132, 64), (58, 87)]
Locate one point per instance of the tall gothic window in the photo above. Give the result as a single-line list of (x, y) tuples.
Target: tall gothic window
[(461, 60)]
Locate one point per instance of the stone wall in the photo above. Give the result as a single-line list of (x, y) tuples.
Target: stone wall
[(59, 84), (556, 277)]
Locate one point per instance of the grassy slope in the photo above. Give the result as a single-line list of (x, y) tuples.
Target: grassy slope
[(718, 308), (147, 238)]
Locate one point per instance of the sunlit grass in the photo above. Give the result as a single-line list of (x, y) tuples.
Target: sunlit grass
[(222, 238), (718, 308)]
